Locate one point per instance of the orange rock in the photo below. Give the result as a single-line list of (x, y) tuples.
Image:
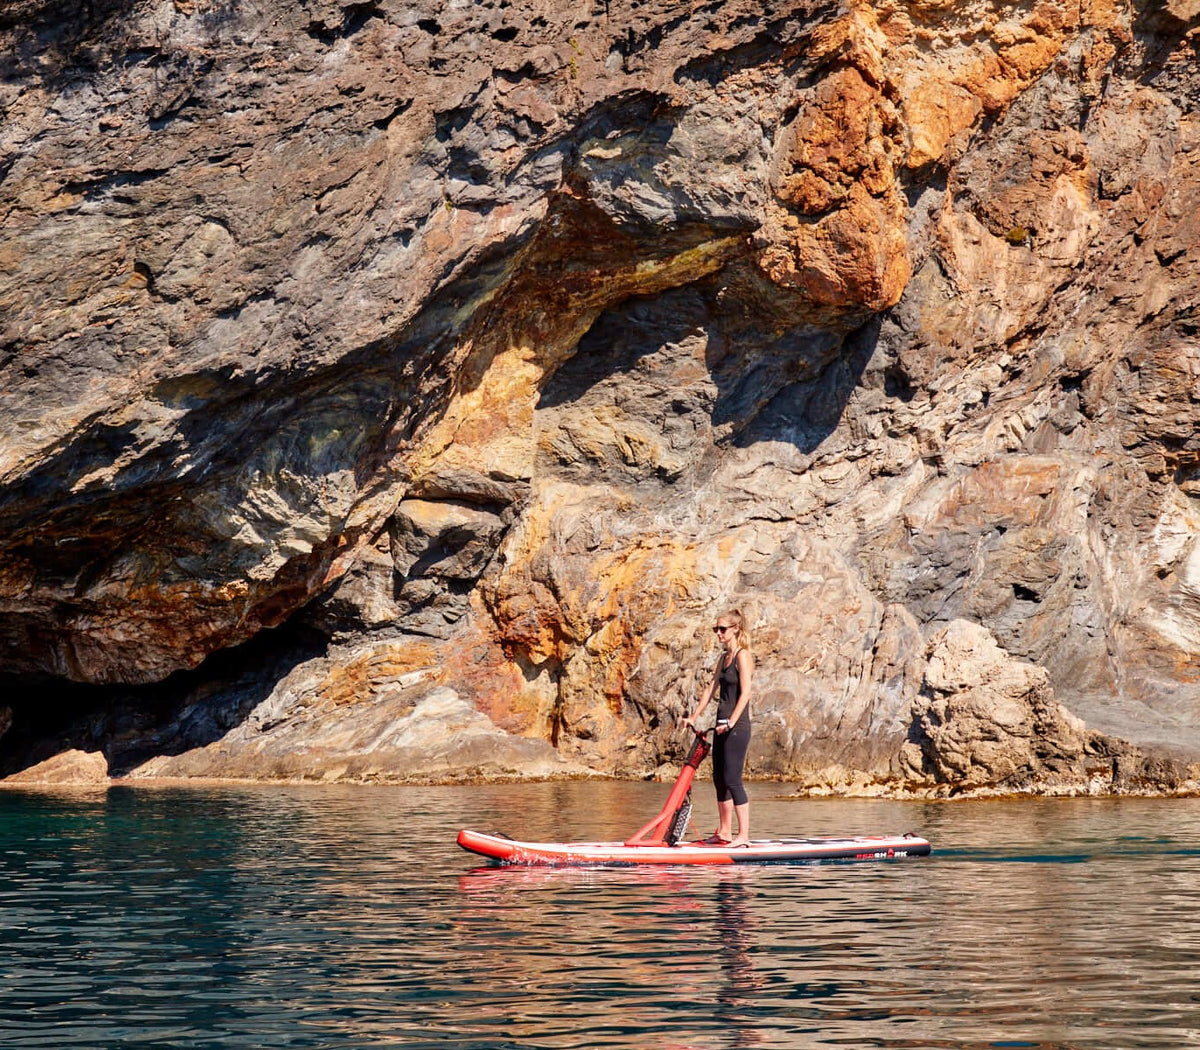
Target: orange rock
[(855, 258), (840, 139), (935, 113)]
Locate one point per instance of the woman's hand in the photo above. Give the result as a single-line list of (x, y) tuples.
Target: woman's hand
[(688, 722), (722, 727)]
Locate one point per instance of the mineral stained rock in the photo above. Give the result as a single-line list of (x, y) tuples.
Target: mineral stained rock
[(506, 343)]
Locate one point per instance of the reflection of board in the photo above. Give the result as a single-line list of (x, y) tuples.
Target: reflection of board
[(501, 850)]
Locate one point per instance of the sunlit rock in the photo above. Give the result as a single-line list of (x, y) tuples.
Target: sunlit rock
[(67, 769), (528, 338)]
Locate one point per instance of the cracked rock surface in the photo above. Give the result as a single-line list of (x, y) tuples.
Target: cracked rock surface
[(507, 344)]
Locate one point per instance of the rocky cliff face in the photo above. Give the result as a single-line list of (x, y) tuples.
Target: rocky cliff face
[(403, 388)]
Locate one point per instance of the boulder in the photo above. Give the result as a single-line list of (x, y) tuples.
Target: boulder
[(73, 768), (988, 724)]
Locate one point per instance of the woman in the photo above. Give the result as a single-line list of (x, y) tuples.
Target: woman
[(731, 684)]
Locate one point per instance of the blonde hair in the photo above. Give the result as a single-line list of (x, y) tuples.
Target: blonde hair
[(741, 633)]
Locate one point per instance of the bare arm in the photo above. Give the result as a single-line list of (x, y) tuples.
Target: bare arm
[(703, 702)]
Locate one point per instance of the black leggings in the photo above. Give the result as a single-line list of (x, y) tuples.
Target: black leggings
[(729, 756)]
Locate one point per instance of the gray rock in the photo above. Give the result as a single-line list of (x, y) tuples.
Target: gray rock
[(520, 340)]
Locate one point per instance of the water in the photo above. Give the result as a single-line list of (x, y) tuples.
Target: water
[(265, 917)]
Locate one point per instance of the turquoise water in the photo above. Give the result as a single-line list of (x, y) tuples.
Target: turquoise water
[(346, 917)]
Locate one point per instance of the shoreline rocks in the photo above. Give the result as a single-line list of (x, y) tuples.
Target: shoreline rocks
[(981, 725)]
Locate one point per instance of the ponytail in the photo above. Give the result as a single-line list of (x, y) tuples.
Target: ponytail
[(741, 632)]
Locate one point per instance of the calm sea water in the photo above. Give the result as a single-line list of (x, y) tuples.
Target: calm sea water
[(346, 917)]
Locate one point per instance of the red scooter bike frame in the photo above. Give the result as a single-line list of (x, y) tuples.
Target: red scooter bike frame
[(654, 833)]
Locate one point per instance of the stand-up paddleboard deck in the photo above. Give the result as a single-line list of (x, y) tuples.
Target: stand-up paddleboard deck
[(501, 850)]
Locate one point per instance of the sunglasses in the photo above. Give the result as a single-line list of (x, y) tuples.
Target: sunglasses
[(721, 629)]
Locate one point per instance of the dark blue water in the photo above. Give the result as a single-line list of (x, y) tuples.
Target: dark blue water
[(346, 917)]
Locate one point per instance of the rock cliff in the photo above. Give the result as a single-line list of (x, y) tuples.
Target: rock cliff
[(398, 390)]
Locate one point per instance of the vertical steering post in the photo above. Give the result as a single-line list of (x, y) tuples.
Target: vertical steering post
[(655, 833)]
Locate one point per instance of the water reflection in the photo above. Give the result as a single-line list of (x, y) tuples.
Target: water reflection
[(338, 917), (736, 928)]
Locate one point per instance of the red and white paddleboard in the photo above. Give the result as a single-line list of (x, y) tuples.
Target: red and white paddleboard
[(660, 841), (501, 850)]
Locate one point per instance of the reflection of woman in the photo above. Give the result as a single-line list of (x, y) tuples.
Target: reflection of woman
[(731, 684), (735, 928)]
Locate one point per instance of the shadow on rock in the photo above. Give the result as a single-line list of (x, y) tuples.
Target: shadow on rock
[(61, 38), (663, 379), (129, 725), (1161, 26)]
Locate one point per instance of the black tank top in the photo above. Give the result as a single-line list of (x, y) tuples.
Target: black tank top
[(730, 680)]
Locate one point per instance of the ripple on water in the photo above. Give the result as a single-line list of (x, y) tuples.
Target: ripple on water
[(273, 917)]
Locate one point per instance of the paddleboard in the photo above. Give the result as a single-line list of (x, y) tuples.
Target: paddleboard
[(501, 850)]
